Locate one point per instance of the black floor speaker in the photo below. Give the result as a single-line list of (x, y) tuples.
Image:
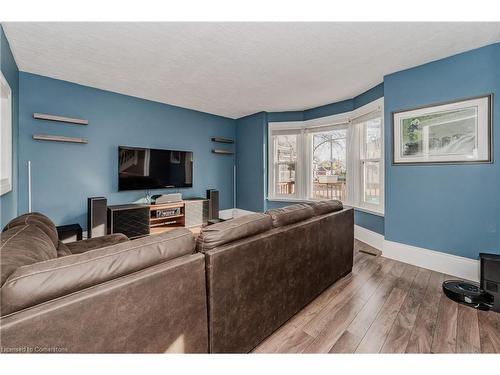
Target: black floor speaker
[(213, 205), (97, 217), (490, 277)]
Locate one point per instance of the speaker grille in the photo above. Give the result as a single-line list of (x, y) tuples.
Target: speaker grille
[(196, 213), (97, 217), (491, 287), (213, 211), (132, 222)]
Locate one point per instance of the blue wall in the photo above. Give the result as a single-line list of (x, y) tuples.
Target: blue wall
[(329, 109), (366, 220), (8, 201), (65, 174), (371, 222), (368, 96), (449, 208)]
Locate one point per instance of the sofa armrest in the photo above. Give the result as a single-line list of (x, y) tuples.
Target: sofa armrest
[(69, 274), (156, 310), (79, 247)]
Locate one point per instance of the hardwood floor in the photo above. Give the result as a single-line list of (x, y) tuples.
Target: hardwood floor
[(385, 306)]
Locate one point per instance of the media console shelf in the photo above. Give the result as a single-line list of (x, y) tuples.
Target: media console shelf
[(137, 220), (174, 216)]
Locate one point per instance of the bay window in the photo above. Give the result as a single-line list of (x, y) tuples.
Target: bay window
[(335, 157)]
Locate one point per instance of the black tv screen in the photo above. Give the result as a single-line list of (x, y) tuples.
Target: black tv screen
[(148, 168)]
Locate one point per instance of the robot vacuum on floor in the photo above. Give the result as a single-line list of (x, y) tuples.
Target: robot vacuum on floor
[(486, 295), (468, 294)]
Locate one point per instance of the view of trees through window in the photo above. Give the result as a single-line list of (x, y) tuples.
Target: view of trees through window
[(329, 164)]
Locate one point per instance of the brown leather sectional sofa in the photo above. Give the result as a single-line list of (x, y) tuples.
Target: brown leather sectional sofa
[(240, 282)]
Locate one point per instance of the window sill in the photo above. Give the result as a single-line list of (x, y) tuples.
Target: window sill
[(5, 186), (298, 200), (367, 210), (276, 199)]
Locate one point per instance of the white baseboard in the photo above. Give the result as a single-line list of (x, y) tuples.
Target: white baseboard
[(369, 237), (453, 265), (448, 264)]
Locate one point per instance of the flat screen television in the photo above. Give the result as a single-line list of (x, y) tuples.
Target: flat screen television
[(149, 168)]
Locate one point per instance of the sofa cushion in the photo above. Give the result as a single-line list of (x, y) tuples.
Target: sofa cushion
[(40, 282), (63, 250), (290, 214), (38, 219), (232, 230), (23, 245), (79, 247), (324, 207)]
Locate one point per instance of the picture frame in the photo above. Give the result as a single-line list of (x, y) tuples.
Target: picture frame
[(454, 132)]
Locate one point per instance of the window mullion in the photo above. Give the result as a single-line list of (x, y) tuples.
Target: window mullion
[(301, 173)]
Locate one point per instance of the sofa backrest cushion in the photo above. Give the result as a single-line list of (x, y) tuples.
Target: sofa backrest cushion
[(21, 246), (290, 214), (78, 247), (232, 230), (63, 249), (38, 219), (40, 282), (325, 207)]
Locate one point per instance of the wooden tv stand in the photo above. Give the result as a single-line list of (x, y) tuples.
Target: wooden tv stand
[(137, 220)]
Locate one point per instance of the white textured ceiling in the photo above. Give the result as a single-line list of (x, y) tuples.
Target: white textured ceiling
[(235, 69)]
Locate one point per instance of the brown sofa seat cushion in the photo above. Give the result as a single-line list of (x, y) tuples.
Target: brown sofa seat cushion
[(325, 207), (290, 214), (79, 247), (23, 245), (38, 219), (40, 282), (232, 230)]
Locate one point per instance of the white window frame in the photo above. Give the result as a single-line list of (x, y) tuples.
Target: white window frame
[(5, 136), (360, 116), (271, 162), (354, 184)]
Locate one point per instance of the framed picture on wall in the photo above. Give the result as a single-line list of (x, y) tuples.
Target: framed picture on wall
[(453, 132)]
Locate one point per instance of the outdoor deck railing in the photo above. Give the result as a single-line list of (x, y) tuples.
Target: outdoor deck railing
[(330, 190), (333, 190)]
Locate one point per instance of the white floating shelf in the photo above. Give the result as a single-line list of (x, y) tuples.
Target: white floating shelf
[(58, 138), (69, 120), (223, 152)]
